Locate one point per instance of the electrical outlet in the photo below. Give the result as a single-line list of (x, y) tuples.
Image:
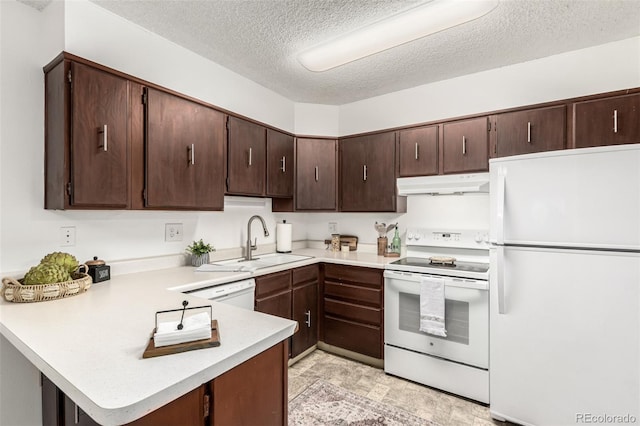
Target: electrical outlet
[(333, 227), (67, 236), (173, 232)]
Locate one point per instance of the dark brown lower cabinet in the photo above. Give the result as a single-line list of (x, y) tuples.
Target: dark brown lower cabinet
[(304, 305), (253, 393), (352, 309), (292, 294)]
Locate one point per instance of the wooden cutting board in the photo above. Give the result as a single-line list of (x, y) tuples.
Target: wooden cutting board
[(214, 341)]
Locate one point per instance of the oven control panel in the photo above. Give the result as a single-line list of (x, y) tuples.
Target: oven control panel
[(468, 238)]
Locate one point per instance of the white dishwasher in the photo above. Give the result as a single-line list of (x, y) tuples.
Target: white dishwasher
[(237, 293)]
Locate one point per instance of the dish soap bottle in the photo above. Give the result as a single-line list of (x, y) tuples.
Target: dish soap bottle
[(396, 243)]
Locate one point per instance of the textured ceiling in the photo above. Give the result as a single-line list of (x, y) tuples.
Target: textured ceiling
[(259, 39)]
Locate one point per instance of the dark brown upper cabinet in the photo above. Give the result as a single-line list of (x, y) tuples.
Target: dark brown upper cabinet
[(368, 173), (607, 121), (465, 145), (247, 157), (534, 130), (418, 151), (184, 153), (316, 174), (86, 139), (279, 164)]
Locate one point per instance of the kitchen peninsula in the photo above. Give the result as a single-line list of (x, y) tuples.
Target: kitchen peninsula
[(90, 346)]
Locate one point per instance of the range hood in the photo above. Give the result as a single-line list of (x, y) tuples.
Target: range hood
[(444, 184)]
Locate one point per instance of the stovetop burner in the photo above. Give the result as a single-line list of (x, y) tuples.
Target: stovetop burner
[(450, 253)]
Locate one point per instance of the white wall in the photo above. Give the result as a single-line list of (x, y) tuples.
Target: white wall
[(316, 120), (99, 35), (603, 68), (30, 39)]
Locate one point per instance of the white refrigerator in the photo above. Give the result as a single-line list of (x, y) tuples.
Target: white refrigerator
[(564, 287)]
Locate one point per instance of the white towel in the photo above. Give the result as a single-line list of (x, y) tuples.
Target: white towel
[(432, 306), (194, 327)]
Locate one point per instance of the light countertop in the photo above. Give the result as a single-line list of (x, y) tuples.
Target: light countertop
[(91, 345)]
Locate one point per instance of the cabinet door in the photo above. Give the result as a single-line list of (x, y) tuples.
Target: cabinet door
[(315, 174), (278, 305), (273, 294), (466, 146), (246, 152), (536, 130), (184, 153), (608, 121), (305, 312), (279, 164), (99, 143), (367, 173), (254, 393), (74, 415), (419, 151)]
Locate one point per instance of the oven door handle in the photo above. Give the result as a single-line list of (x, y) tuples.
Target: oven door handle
[(502, 309)]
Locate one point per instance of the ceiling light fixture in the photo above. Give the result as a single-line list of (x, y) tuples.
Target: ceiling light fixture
[(398, 29)]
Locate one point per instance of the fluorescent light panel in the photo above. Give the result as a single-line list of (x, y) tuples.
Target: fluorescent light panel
[(398, 29)]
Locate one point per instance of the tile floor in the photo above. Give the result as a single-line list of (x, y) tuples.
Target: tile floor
[(439, 407)]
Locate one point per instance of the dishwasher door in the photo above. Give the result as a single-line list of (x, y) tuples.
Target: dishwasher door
[(239, 293)]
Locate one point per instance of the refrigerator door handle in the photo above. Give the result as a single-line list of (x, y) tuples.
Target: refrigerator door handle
[(500, 200), (500, 281)]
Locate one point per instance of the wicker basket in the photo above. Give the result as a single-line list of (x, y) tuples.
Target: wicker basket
[(14, 291)]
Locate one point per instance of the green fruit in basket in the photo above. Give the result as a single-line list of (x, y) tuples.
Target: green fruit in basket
[(46, 273), (69, 262)]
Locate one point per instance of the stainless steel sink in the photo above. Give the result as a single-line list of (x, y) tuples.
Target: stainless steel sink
[(263, 261)]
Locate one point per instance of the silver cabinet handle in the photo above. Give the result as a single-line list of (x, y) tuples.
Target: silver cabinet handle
[(192, 154), (105, 138), (364, 172), (464, 145), (76, 414), (250, 156), (529, 131), (308, 320), (615, 121), (284, 164), (317, 174), (416, 150)]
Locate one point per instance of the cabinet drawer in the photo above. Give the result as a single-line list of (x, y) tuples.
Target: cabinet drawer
[(305, 274), (273, 283), (353, 312), (364, 339), (353, 293), (355, 274), (278, 305)]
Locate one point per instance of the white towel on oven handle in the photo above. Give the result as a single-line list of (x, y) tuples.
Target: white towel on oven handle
[(432, 304)]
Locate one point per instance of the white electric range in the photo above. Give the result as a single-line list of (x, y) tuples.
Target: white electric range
[(459, 362)]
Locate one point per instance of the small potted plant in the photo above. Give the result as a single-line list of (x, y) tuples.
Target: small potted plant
[(200, 252)]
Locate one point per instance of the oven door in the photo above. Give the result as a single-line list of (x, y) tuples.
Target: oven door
[(466, 318)]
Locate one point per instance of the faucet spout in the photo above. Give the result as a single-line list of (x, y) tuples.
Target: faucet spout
[(254, 246)]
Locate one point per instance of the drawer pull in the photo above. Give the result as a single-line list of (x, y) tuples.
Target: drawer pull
[(105, 139), (615, 121), (308, 320)]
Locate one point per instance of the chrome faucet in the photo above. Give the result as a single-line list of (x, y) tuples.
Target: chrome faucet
[(254, 246)]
